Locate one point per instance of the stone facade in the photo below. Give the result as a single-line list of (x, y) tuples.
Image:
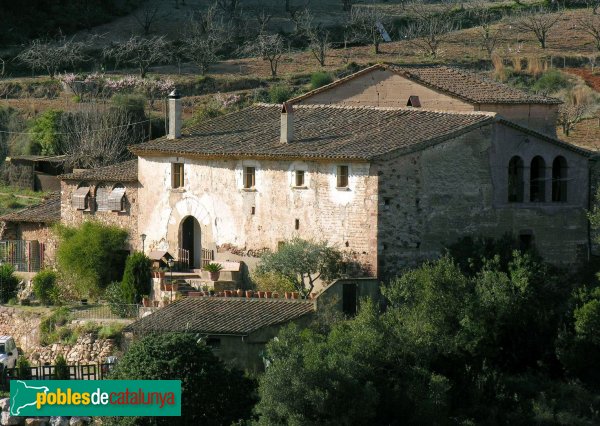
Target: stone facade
[(431, 198), (246, 222), (31, 231), (126, 219)]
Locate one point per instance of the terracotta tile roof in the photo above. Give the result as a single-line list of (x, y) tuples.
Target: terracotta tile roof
[(320, 132), (466, 85), (217, 315), (48, 211), (121, 172)]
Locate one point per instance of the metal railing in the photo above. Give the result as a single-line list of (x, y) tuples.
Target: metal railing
[(110, 311), (25, 256)]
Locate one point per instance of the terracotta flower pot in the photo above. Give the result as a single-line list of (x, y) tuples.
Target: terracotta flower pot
[(268, 294), (146, 302), (214, 276), (156, 303), (240, 292), (249, 293), (295, 295), (288, 294), (227, 293), (261, 294)]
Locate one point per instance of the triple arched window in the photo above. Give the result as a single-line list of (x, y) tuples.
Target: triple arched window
[(517, 176)]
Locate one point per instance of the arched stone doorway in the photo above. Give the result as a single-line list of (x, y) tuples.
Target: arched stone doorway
[(190, 240)]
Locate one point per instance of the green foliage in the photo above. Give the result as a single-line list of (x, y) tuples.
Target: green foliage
[(206, 112), (55, 328), (211, 393), (91, 256), (272, 281), (23, 368), (132, 104), (320, 79), (279, 93), (302, 262), (213, 267), (137, 279), (61, 369), (115, 296), (8, 283), (45, 129), (44, 287), (550, 82), (111, 331)]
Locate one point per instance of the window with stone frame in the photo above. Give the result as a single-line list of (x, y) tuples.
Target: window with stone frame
[(81, 197), (299, 181), (249, 177), (177, 175), (342, 176)]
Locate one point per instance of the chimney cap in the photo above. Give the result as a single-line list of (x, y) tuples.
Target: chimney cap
[(174, 94), (286, 108)]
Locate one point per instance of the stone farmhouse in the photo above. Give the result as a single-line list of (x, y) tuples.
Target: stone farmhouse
[(389, 164)]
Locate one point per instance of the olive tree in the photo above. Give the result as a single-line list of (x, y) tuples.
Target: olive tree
[(303, 263)]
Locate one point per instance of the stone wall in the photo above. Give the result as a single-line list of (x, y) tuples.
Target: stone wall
[(235, 220), (22, 325), (432, 198), (88, 349), (126, 219)]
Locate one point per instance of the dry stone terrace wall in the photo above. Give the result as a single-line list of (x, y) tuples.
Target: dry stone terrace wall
[(126, 219), (459, 188), (230, 216)]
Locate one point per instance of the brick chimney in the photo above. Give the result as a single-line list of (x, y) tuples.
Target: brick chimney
[(287, 123), (174, 115)]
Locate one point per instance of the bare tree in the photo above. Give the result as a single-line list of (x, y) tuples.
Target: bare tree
[(319, 43), (139, 52), (205, 36), (51, 56), (539, 22), (269, 47), (577, 104), (489, 34), (263, 19), (365, 23), (146, 17), (96, 137), (429, 29), (590, 23)]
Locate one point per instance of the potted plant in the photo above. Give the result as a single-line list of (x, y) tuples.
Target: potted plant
[(214, 270), (261, 294), (146, 301), (268, 294), (275, 295), (249, 293), (288, 294), (240, 292)]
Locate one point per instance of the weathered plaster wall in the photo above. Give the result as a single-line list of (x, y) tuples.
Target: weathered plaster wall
[(126, 219), (432, 198), (384, 88), (539, 117), (213, 194), (40, 232)]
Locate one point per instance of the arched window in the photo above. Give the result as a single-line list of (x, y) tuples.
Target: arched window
[(516, 184), (559, 180), (537, 180), (116, 198)]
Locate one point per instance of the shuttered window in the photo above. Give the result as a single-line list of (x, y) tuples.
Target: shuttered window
[(249, 177), (342, 176), (102, 193), (116, 198), (177, 175), (80, 200)]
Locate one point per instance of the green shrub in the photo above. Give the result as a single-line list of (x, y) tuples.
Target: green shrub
[(111, 331), (23, 368), (61, 369), (551, 81), (137, 279), (280, 93), (50, 326), (8, 283), (91, 256), (207, 111), (44, 287), (320, 79), (45, 130), (115, 298), (272, 281)]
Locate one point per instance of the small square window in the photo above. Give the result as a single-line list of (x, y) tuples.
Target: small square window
[(342, 176), (249, 177), (299, 178), (177, 175)]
